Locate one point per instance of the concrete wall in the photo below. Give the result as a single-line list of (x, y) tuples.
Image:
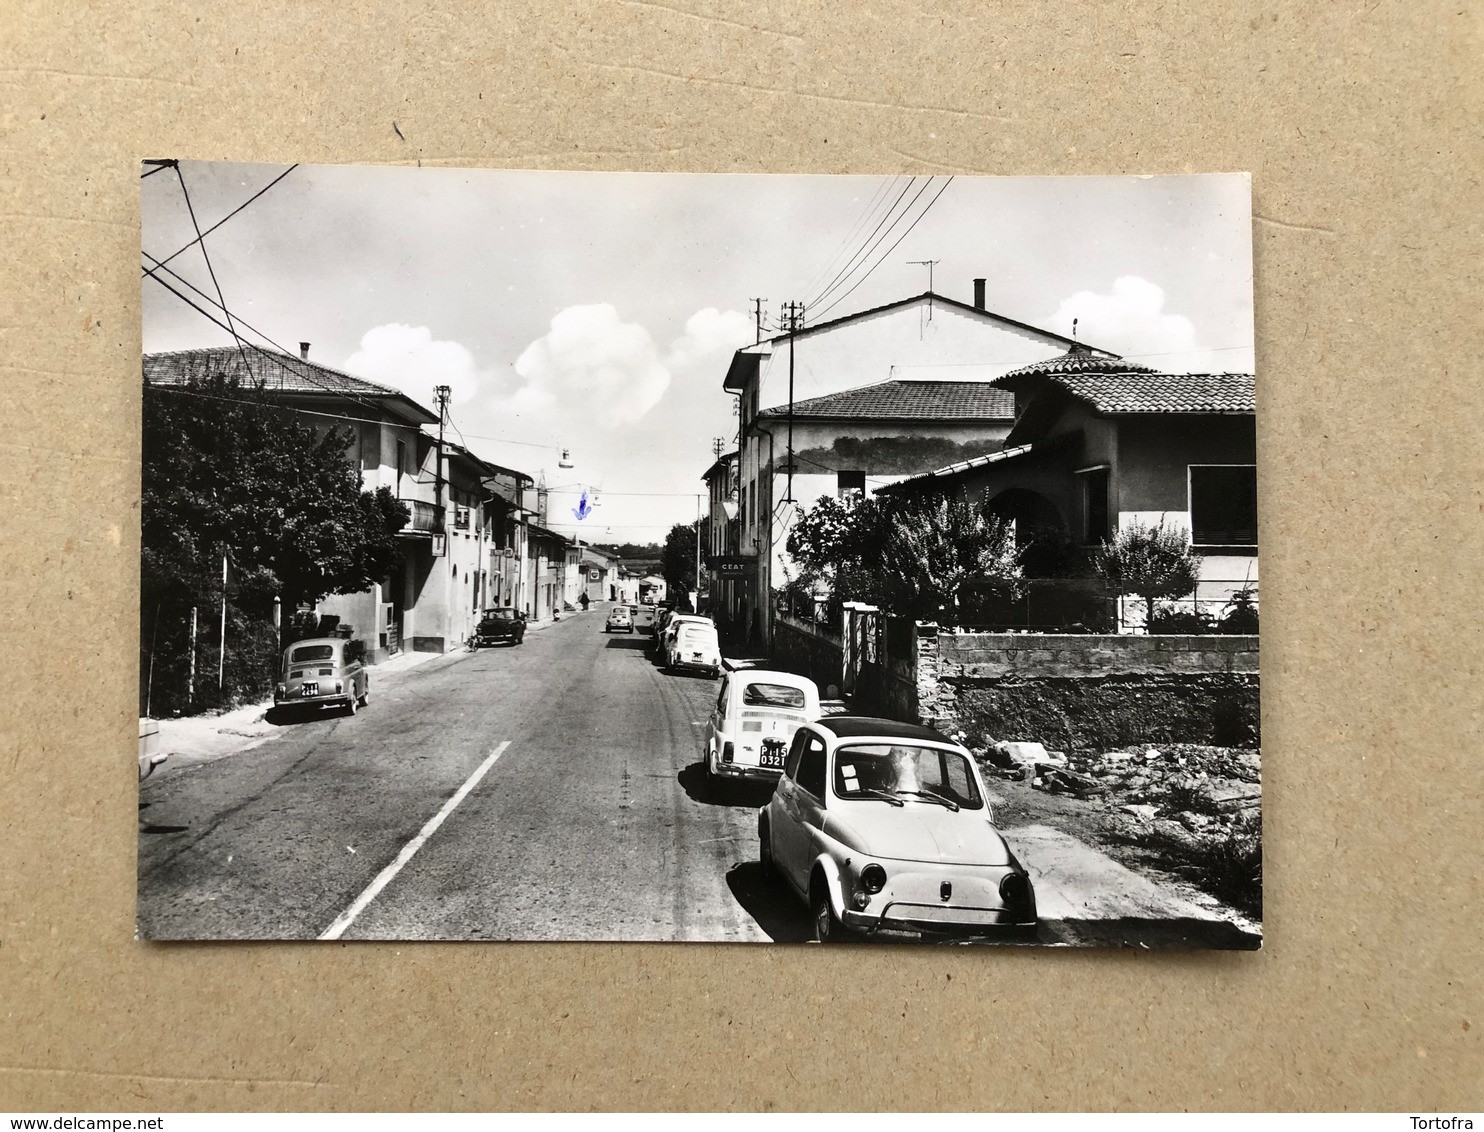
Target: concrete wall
[(1077, 692), (995, 656), (805, 651)]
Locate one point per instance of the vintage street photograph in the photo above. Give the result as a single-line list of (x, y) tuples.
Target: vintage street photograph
[(714, 558)]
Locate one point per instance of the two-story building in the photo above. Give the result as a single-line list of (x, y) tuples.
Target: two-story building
[(858, 402), (725, 567), (431, 598), (1099, 444)]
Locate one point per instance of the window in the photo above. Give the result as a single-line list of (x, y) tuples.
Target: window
[(721, 698), (1094, 504), (401, 463), (773, 695), (870, 770), (811, 766), (850, 483), (1223, 504)]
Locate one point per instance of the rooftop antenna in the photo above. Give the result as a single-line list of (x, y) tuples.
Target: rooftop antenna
[(928, 263)]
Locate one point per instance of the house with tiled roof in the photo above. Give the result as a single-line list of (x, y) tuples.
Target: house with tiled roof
[(463, 546), (1098, 444), (854, 403)]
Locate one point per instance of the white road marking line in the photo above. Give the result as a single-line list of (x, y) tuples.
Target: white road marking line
[(383, 878)]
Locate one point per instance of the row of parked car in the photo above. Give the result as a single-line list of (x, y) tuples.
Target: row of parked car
[(878, 826), (682, 641)]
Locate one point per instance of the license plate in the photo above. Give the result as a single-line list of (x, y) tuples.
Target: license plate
[(308, 689), (770, 759)]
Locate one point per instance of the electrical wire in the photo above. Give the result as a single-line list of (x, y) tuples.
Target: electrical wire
[(283, 357), (881, 193), (867, 247), (231, 214), (891, 249), (201, 242)]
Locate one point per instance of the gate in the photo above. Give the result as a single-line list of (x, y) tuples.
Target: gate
[(860, 643)]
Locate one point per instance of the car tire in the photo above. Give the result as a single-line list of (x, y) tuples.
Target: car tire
[(827, 926)]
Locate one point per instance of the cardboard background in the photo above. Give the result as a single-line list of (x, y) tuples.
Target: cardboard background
[(1359, 122)]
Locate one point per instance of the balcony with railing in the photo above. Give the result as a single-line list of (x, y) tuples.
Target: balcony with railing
[(427, 519)]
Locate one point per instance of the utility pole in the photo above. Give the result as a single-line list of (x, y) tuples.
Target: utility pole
[(757, 307), (791, 318), (698, 553)]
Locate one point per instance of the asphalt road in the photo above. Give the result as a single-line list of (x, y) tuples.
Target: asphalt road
[(550, 791), (590, 824)]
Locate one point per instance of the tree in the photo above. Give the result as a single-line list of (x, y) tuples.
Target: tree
[(1151, 562), (227, 471), (914, 556), (936, 546), (678, 557)]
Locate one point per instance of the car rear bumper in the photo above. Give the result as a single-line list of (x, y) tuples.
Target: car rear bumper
[(313, 701), (942, 919), (744, 770)]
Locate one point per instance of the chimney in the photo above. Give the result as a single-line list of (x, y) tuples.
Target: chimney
[(979, 294), (304, 349)]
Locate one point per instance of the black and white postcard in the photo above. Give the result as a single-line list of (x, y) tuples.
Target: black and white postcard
[(732, 559)]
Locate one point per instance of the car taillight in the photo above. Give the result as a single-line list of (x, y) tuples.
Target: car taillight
[(873, 878), (1016, 892), (726, 752)]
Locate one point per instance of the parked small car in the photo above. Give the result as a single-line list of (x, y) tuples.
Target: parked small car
[(880, 825), (694, 645), (324, 672), (501, 623), (756, 714), (664, 642), (619, 619)]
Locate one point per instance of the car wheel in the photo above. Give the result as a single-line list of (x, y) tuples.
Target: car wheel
[(827, 927)]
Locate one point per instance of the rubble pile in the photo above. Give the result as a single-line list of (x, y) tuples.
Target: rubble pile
[(1193, 788), (1198, 809)]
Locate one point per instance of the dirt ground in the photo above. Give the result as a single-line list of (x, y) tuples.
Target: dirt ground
[(1188, 807)]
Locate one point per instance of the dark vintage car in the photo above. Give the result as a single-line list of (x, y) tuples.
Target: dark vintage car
[(502, 623), (323, 672)]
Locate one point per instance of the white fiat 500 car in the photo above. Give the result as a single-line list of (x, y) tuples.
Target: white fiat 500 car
[(881, 825), (696, 645), (756, 714)]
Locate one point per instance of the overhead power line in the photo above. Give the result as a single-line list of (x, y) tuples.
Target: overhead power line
[(184, 192), (866, 246), (279, 354), (877, 198), (926, 209), (231, 214)]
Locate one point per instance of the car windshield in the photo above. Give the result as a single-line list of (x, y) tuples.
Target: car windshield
[(930, 775), (772, 695), (312, 652), (502, 611)]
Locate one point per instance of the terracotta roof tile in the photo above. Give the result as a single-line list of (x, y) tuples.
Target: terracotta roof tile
[(1162, 392), (909, 400), (278, 371)]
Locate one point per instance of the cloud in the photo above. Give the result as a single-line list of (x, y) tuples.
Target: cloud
[(410, 359), (1132, 321), (594, 365), (709, 334)]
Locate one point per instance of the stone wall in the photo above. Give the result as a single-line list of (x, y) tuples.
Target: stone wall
[(1081, 692), (807, 651)]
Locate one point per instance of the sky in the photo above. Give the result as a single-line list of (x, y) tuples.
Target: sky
[(596, 313)]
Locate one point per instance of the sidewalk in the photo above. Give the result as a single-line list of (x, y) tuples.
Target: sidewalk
[(193, 739)]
